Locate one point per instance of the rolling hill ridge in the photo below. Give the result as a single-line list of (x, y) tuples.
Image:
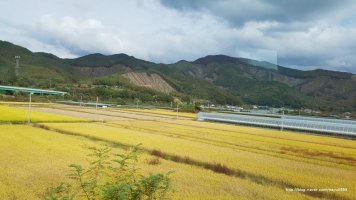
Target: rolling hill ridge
[(215, 78)]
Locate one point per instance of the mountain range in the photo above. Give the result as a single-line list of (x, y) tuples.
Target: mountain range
[(217, 79)]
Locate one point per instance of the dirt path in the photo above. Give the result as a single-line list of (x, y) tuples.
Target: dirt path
[(80, 114), (99, 114)]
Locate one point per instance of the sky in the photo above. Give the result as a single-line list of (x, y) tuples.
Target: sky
[(303, 34)]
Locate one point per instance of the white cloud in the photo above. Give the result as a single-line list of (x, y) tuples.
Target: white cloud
[(149, 30)]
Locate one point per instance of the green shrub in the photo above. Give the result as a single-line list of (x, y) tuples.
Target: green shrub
[(111, 177)]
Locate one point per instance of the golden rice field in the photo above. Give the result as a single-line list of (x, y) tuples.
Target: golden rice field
[(259, 163), (36, 159), (23, 103), (13, 114)]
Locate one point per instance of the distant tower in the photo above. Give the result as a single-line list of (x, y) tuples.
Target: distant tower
[(17, 67)]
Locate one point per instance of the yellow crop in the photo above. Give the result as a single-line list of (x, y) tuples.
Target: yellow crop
[(13, 114), (278, 157), (23, 103), (33, 159), (264, 161)]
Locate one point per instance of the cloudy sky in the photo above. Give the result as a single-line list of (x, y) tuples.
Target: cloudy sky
[(303, 34)]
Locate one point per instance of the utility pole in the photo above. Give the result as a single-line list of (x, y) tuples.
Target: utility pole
[(137, 100), (282, 121), (29, 110), (17, 66)]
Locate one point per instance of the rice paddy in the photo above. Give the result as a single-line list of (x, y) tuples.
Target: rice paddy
[(209, 160), (13, 114)]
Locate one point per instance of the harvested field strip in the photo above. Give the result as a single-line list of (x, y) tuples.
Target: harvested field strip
[(219, 168), (131, 117), (256, 147), (150, 113), (139, 114), (78, 113), (112, 114), (107, 115), (162, 112), (119, 113), (87, 112), (146, 114), (287, 171)]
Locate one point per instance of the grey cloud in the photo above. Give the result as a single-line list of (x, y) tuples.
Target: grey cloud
[(238, 12), (304, 34)]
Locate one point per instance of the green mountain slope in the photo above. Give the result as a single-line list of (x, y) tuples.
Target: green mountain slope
[(218, 79), (99, 60)]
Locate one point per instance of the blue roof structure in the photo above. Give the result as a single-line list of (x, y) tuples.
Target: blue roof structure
[(31, 90), (85, 103), (311, 124)]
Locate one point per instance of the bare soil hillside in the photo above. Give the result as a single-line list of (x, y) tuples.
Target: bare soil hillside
[(153, 81)]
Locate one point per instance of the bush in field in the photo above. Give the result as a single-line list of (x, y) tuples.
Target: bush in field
[(111, 177)]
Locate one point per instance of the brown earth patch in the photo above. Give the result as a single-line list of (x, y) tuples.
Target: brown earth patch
[(315, 153), (153, 81)]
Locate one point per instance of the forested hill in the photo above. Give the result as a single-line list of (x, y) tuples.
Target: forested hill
[(215, 78)]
